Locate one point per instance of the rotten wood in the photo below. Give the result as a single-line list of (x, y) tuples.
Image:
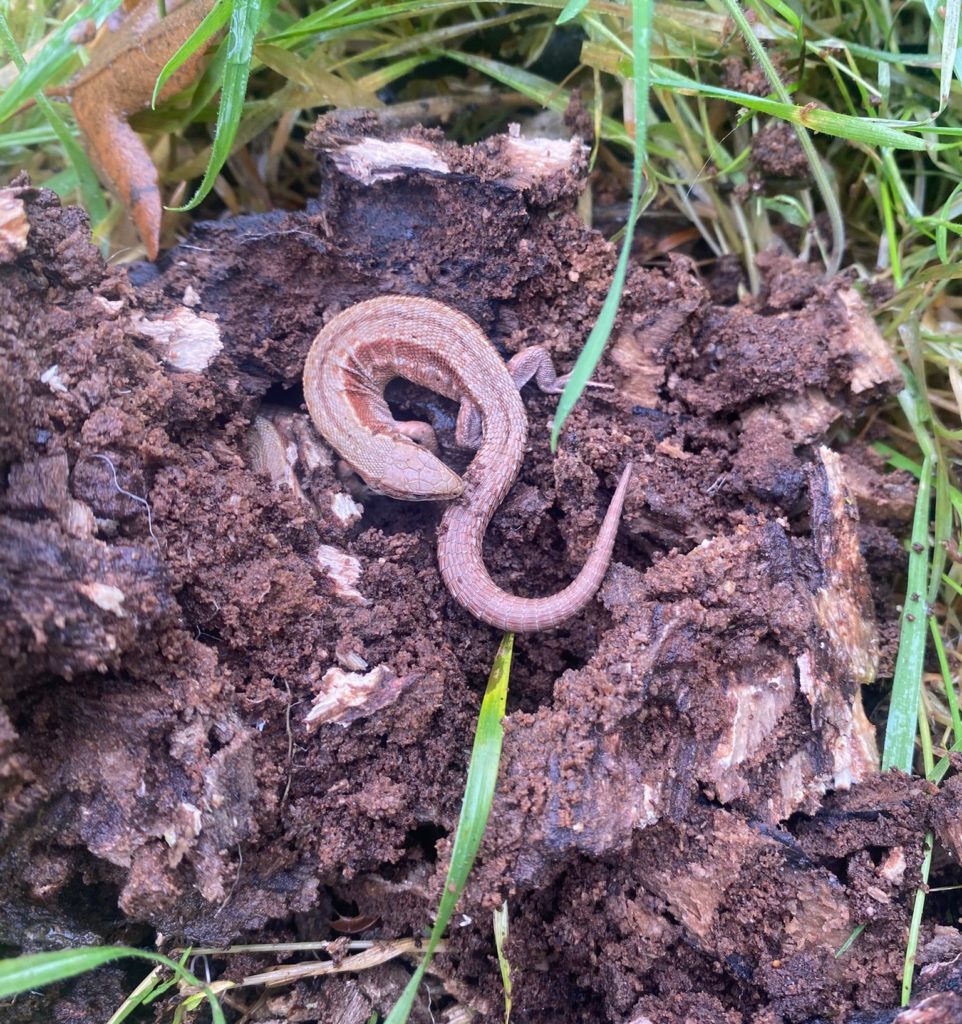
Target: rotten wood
[(688, 821)]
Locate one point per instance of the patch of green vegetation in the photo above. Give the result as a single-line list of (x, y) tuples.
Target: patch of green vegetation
[(25, 973)]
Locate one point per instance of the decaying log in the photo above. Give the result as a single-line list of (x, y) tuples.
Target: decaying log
[(285, 686)]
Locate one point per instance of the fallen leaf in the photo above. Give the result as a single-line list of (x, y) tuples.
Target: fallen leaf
[(119, 82)]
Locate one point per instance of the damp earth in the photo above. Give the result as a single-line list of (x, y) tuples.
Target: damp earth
[(238, 701)]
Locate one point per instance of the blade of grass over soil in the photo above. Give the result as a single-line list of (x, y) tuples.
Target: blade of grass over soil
[(475, 809), (499, 921), (847, 944), (899, 461), (911, 949), (947, 681), (590, 355), (902, 722), (146, 991)]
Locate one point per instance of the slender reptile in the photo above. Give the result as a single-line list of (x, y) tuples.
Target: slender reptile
[(351, 361)]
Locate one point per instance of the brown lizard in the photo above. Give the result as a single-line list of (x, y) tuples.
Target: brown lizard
[(350, 362)]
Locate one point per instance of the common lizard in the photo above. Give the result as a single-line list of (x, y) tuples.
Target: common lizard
[(349, 364)]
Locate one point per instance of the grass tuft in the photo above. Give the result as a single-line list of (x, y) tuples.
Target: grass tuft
[(246, 19), (34, 970)]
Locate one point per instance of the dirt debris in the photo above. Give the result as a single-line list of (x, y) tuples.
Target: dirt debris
[(688, 825), (776, 151)]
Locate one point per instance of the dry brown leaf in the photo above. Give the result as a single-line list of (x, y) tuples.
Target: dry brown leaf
[(118, 82)]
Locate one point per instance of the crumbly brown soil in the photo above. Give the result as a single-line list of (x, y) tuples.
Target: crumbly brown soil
[(688, 823)]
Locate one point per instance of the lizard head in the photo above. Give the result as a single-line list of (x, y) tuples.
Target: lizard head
[(412, 473)]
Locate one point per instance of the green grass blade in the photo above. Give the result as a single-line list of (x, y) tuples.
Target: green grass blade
[(942, 230), (138, 997), (904, 707), (790, 16), (23, 973), (847, 944), (925, 745), (421, 44), (475, 808), (214, 21), (891, 233), (591, 353), (899, 461), (207, 87), (246, 19), (541, 90), (951, 584), (817, 167), (571, 10), (938, 772), (390, 73), (342, 15), (28, 138), (942, 527), (870, 53), (951, 50), (908, 970), (871, 132), (90, 189), (56, 54), (789, 208), (944, 15), (947, 682), (64, 183), (150, 989)]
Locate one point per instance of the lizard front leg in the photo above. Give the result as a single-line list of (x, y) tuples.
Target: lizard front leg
[(534, 363)]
